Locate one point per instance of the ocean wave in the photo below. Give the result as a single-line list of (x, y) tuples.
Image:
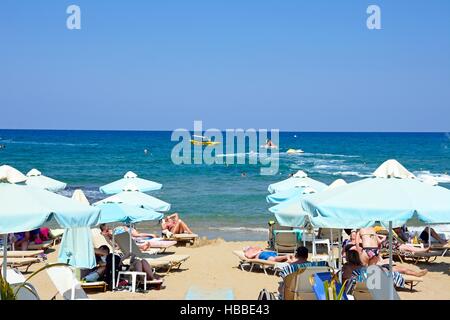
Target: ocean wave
[(239, 229), (241, 154), (51, 143), (309, 154), (439, 177), (343, 173)]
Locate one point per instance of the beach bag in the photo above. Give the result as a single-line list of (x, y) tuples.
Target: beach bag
[(266, 295)]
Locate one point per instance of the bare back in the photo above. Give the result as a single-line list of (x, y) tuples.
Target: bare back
[(369, 238)]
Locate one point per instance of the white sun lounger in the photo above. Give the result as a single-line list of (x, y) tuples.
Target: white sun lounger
[(23, 253), (63, 277)]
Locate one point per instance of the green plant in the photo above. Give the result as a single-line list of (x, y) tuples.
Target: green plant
[(6, 292)]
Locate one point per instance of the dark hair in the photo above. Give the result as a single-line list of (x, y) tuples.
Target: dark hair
[(105, 247), (302, 252), (348, 231), (102, 226), (352, 257)]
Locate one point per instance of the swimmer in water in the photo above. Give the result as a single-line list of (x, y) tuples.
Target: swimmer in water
[(243, 174), (145, 151)]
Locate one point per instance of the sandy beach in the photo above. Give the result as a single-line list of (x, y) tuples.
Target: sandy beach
[(212, 267)]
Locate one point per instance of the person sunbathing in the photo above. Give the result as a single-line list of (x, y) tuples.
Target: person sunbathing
[(402, 247), (21, 240), (107, 232), (174, 225), (258, 253), (406, 236)]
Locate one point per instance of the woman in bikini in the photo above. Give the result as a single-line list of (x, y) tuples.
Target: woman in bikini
[(371, 245), (174, 224)]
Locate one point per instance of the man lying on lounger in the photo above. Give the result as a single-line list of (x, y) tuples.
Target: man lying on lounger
[(258, 253)]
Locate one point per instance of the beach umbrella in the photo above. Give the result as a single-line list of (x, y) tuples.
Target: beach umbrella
[(121, 212), (11, 175), (77, 247), (285, 195), (393, 169), (130, 178), (298, 180), (290, 213), (363, 203), (366, 202), (78, 195), (335, 184), (125, 213), (36, 179), (131, 196), (25, 208)]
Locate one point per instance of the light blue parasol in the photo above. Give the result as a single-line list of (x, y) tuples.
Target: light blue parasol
[(142, 185)]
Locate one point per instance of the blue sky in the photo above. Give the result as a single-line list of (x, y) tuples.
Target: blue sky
[(292, 65)]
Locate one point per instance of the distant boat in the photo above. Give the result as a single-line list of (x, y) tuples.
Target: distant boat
[(294, 151), (202, 140)]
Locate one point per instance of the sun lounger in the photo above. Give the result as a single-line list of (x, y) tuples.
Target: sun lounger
[(412, 281), (155, 260), (163, 245), (417, 257), (361, 291), (63, 277), (183, 237), (21, 262), (41, 246), (263, 264), (94, 285), (23, 253), (297, 285), (285, 241)]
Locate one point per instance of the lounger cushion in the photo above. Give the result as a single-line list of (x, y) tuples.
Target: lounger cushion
[(23, 253), (184, 236), (21, 261), (161, 243), (42, 246)]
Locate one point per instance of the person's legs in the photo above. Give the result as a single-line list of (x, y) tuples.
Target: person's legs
[(410, 272), (412, 249), (148, 270), (435, 235), (184, 227), (176, 228), (144, 246)]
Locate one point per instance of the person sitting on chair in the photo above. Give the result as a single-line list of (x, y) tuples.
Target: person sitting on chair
[(108, 232)]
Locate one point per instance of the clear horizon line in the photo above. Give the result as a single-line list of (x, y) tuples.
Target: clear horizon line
[(223, 130)]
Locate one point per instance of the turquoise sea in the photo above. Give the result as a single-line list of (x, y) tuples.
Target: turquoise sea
[(216, 200)]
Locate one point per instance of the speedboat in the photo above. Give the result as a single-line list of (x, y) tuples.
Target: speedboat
[(202, 140), (294, 151)]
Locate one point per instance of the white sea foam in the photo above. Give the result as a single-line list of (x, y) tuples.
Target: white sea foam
[(439, 177), (50, 143), (233, 229), (331, 155)]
